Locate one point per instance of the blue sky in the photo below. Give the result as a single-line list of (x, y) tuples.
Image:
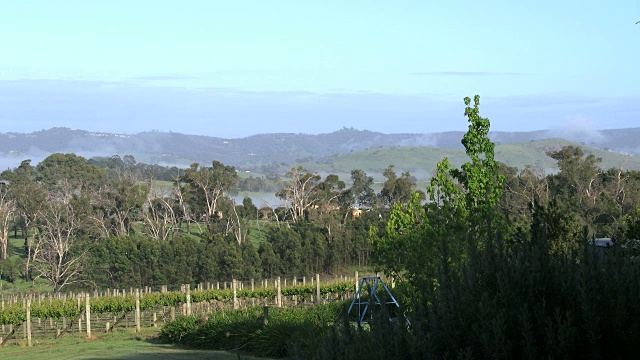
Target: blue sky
[(233, 69)]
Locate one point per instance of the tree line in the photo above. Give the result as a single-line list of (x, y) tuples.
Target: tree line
[(109, 222)]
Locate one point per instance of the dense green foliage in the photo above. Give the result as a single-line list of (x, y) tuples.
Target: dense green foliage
[(500, 264), (287, 332)]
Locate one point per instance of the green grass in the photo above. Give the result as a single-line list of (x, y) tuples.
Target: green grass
[(117, 345)]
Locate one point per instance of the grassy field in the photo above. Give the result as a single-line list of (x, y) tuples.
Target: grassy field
[(118, 345)]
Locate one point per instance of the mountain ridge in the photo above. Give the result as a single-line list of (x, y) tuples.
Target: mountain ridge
[(257, 150)]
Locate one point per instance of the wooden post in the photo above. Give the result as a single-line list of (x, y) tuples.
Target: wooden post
[(188, 299), (295, 297), (155, 320), (253, 299), (318, 289), (138, 311), (304, 281), (235, 294), (87, 313), (279, 299), (173, 313), (265, 318), (28, 321), (107, 326), (356, 281)]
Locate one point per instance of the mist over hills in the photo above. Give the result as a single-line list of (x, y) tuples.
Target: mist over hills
[(284, 149)]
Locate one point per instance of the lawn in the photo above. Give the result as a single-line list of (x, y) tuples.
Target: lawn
[(117, 345)]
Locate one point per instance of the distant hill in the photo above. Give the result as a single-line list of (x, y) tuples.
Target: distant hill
[(422, 161), (279, 151)]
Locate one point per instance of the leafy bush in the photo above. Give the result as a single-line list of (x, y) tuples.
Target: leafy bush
[(287, 331)]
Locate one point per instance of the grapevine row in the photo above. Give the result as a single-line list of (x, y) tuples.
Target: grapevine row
[(59, 308)]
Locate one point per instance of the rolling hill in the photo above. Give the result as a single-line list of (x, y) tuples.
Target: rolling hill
[(339, 151)]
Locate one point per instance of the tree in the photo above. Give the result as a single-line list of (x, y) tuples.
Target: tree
[(577, 187), (58, 251), (298, 191), (397, 189), (361, 192), (7, 209), (69, 168), (159, 219), (523, 191), (457, 218), (207, 186), (119, 203), (29, 197)]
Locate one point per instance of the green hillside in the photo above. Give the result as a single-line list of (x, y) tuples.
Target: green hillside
[(422, 161)]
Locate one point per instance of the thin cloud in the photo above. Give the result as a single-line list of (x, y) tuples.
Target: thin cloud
[(467, 73), (163, 78)]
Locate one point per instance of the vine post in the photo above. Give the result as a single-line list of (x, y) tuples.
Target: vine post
[(87, 313), (356, 288), (318, 288), (235, 293), (188, 299), (28, 309), (279, 291), (137, 311)]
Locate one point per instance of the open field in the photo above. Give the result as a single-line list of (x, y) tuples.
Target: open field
[(117, 345)]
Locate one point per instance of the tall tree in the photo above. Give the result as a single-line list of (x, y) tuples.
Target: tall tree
[(7, 209), (29, 197), (207, 186), (57, 248), (360, 193), (298, 191), (397, 189), (72, 169), (462, 206)]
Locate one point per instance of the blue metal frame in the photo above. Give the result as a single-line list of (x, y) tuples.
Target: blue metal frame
[(371, 284)]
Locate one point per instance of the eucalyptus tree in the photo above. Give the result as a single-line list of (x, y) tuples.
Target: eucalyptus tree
[(523, 191), (298, 191), (69, 172), (7, 210), (397, 189), (29, 197), (159, 217), (361, 193), (118, 204), (58, 248), (207, 187)]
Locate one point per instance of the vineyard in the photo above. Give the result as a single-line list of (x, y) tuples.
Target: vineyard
[(53, 315)]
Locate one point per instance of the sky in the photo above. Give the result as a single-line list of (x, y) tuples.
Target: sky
[(233, 69)]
